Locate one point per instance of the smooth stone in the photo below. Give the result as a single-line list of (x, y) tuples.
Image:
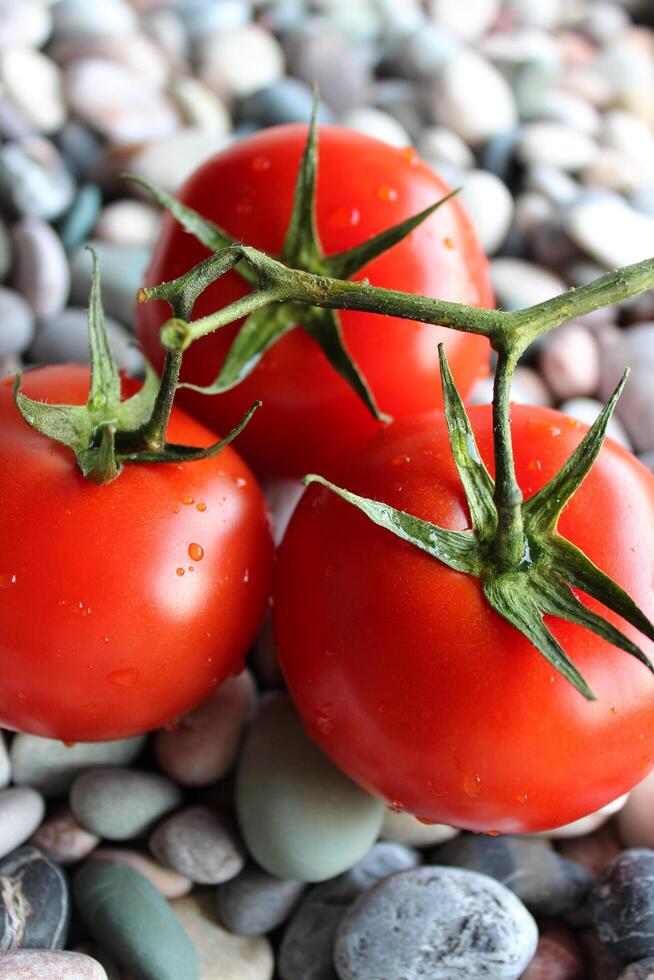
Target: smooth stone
[(635, 409), (531, 63), (546, 14), (403, 828), (122, 270), (65, 337), (255, 902), (556, 184), (170, 884), (284, 101), (128, 222), (644, 970), (518, 283), (121, 803), (222, 955), (626, 132), (299, 815), (532, 209), (556, 145), (615, 170), (78, 18), (643, 201), (558, 955), (605, 20), (621, 905), (199, 843), (438, 144), (601, 963), (306, 951), (77, 223), (166, 162), (473, 98), (81, 149), (594, 850), (445, 923), (314, 51), (376, 123), (586, 410), (42, 964), (631, 236), (527, 388), (21, 812), (468, 21), (137, 52), (51, 767), (420, 54), (34, 179), (34, 902), (237, 62), (570, 361), (127, 915), (571, 110), (165, 27), (199, 106), (546, 883), (203, 748), (41, 271), (587, 824), (33, 83), (110, 98), (16, 323), (635, 822), (61, 838), (489, 203), (25, 24), (201, 17)]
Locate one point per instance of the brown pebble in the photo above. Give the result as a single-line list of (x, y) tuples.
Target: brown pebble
[(63, 839), (168, 883), (593, 851), (558, 955)]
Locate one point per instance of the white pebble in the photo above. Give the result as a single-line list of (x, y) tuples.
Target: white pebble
[(627, 133), (21, 812), (137, 52), (556, 145), (518, 283), (604, 21), (128, 223), (571, 110), (614, 170), (25, 23), (403, 828), (168, 162), (610, 231), (473, 98), (555, 184), (378, 124), (33, 83), (81, 18), (490, 206), (634, 348), (570, 361), (587, 409), (635, 823), (199, 106), (545, 14), (41, 270), (531, 209), (437, 145), (469, 20), (236, 63)]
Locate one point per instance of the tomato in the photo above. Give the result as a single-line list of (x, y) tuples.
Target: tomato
[(410, 681), (310, 415), (122, 605)]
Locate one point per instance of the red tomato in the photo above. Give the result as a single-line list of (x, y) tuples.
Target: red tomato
[(126, 604), (422, 693), (310, 415)]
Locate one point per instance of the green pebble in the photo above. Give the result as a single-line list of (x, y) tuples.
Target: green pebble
[(300, 816), (77, 223), (128, 917)]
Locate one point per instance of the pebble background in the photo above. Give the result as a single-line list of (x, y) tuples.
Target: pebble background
[(163, 857)]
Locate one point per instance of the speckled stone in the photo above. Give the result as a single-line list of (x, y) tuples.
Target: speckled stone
[(121, 803), (199, 843), (621, 905), (34, 902), (62, 838), (50, 766), (643, 970), (42, 964), (255, 902)]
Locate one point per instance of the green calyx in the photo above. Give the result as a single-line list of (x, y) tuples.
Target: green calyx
[(108, 432), (540, 578)]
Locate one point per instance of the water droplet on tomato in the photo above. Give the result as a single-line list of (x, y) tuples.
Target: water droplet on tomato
[(22, 696), (124, 677), (324, 720), (191, 568), (427, 821), (386, 193), (613, 710), (449, 244), (195, 551), (435, 789), (175, 508), (7, 579), (246, 575), (187, 501), (259, 164), (472, 784), (492, 833), (89, 707), (522, 798), (240, 482), (644, 762), (399, 460), (179, 571), (396, 806), (330, 653), (410, 154), (534, 465), (201, 506), (345, 217), (67, 744)]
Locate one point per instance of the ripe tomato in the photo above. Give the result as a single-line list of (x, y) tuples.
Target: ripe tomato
[(310, 415), (419, 690), (122, 605)]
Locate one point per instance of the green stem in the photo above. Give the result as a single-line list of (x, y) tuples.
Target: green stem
[(509, 537), (153, 433)]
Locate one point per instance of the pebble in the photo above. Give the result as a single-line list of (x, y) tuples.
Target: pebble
[(468, 21), (199, 843), (307, 945), (594, 850), (635, 409), (170, 884), (165, 162), (81, 149), (601, 963), (121, 803), (65, 337), (203, 749), (34, 180), (51, 767), (77, 223), (546, 14), (403, 828), (299, 815), (530, 61), (95, 952), (41, 964), (41, 272), (621, 905), (5, 250), (255, 902), (16, 323), (472, 97), (33, 83), (202, 17), (632, 233), (79, 19), (313, 50), (589, 823), (586, 410), (128, 222), (445, 923), (635, 821), (546, 883), (558, 955), (489, 203), (421, 53), (34, 902), (122, 269), (284, 101), (556, 145), (518, 283), (437, 145), (199, 106), (222, 955), (527, 388), (235, 63), (571, 110), (557, 185), (376, 123), (5, 762), (136, 52), (61, 838), (21, 812), (570, 361), (27, 23), (644, 970), (126, 914)]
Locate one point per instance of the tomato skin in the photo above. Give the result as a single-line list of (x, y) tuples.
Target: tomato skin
[(101, 638), (310, 415), (410, 681)]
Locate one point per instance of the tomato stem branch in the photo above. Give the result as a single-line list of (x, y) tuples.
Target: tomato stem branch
[(509, 537)]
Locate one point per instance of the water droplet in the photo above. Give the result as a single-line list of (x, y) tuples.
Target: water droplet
[(521, 798), (195, 551), (472, 784), (324, 720), (240, 482), (89, 708), (448, 243), (399, 460), (641, 736), (330, 653), (260, 164), (22, 696), (492, 833), (175, 508), (345, 217), (534, 465), (246, 575), (201, 506), (396, 806), (386, 193), (124, 677), (179, 571), (187, 501), (435, 789), (410, 154), (7, 579), (613, 710), (67, 744), (645, 762)]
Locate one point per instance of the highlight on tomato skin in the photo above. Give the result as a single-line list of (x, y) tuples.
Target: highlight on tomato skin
[(123, 605), (415, 687), (310, 417)]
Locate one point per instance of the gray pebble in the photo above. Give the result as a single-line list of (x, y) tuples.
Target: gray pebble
[(518, 283), (255, 902), (313, 52), (34, 902), (199, 843), (306, 949), (643, 201), (21, 811), (121, 803), (80, 148), (78, 18), (42, 964), (66, 338), (61, 838), (285, 101), (440, 923), (16, 323), (633, 348), (51, 767), (621, 904), (643, 970), (201, 17), (41, 270), (437, 145), (34, 180), (377, 124), (557, 146), (422, 53), (570, 361), (78, 221), (122, 271)]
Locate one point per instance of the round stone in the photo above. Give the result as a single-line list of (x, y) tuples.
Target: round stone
[(165, 162), (199, 843), (81, 149), (62, 839), (34, 902), (41, 271), (136, 52), (26, 24), (202, 17), (285, 101), (77, 223), (421, 53), (633, 348), (621, 905), (489, 203), (570, 361), (78, 18), (559, 955), (527, 388), (121, 803), (559, 187), (238, 62), (644, 970), (42, 964), (438, 145), (571, 110), (203, 749), (16, 323), (469, 21), (632, 233), (33, 83), (125, 914), (34, 179), (635, 821), (594, 850), (556, 146), (65, 337), (518, 283), (168, 883), (51, 767), (199, 106), (128, 222), (21, 812), (255, 902), (300, 816), (315, 51), (378, 124), (445, 923)]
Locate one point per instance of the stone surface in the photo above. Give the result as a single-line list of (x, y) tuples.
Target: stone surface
[(490, 206), (300, 816), (284, 101), (594, 850), (34, 180), (41, 270), (558, 955), (16, 322), (643, 970), (21, 812), (570, 361), (33, 83), (41, 964), (255, 902), (128, 222), (556, 145), (200, 844), (51, 767), (518, 283), (121, 803), (78, 221), (378, 124), (631, 237), (125, 914), (168, 883), (238, 62), (34, 902), (621, 905), (62, 839), (122, 269), (65, 337), (635, 822), (24, 24), (445, 923), (76, 18)]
